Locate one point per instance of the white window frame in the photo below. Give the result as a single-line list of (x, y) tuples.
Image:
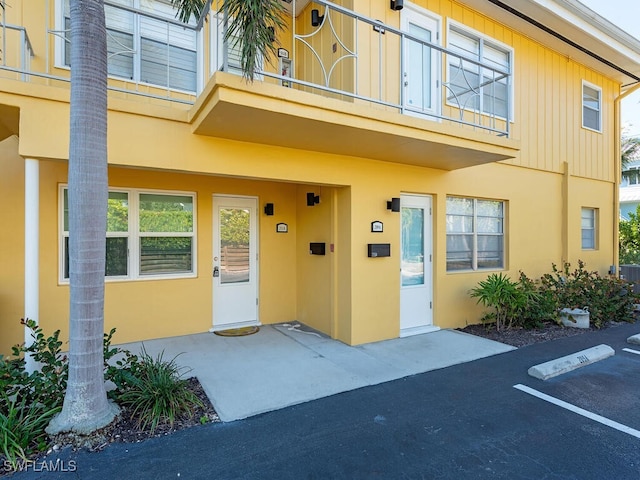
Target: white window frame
[(593, 217), (475, 234), (482, 38), (133, 235), (61, 46), (585, 106)]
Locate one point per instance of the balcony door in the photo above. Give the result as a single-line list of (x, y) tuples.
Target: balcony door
[(421, 63)]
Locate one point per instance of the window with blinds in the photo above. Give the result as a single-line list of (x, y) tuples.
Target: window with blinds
[(145, 44)]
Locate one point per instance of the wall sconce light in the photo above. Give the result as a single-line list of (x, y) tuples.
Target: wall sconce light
[(312, 199), (393, 204), (268, 209), (316, 18), (397, 4)]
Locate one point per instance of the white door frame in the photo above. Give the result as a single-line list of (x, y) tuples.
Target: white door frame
[(416, 301), (235, 305)]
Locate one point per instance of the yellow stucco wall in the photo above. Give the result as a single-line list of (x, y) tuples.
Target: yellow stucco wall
[(562, 168), (11, 244)]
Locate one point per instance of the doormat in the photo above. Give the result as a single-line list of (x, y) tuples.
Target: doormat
[(238, 332)]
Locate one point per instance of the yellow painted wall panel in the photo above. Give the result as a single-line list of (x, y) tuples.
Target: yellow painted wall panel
[(314, 273), (11, 244)]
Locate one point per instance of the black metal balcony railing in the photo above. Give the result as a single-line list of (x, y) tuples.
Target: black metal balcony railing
[(346, 56)]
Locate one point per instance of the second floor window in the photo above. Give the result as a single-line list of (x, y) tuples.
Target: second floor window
[(145, 44), (591, 107), (474, 87)]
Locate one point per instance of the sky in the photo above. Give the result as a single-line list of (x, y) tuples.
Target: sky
[(626, 15)]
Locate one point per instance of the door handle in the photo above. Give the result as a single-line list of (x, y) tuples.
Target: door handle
[(216, 272)]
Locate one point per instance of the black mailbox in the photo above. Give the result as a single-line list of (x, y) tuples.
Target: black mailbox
[(379, 250), (316, 248)]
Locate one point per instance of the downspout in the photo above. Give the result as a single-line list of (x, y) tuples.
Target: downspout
[(617, 162)]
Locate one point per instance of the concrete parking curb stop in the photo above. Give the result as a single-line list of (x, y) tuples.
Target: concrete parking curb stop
[(635, 339), (565, 364)]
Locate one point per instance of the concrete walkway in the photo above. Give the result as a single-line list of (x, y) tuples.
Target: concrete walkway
[(288, 364)]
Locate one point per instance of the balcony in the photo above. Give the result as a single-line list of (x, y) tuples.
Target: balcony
[(343, 83)]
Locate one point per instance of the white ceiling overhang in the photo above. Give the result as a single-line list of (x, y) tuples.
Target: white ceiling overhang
[(571, 29)]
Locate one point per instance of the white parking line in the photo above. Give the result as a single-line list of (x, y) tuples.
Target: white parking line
[(631, 351), (578, 410)]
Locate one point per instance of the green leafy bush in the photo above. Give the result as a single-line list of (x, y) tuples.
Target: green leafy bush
[(541, 305), (46, 385), (608, 298), (529, 304), (155, 392)]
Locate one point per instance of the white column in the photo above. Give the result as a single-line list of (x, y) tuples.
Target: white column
[(31, 247)]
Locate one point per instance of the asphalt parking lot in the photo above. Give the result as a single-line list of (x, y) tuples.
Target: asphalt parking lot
[(465, 421)]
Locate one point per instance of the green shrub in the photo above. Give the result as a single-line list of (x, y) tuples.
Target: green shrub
[(608, 298), (528, 303), (22, 427), (501, 294), (541, 305), (46, 385), (155, 392)]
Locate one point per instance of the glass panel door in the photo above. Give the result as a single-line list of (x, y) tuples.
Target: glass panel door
[(234, 242), (420, 76), (412, 267)]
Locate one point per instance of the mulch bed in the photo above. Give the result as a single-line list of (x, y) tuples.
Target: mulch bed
[(521, 337), (127, 430)]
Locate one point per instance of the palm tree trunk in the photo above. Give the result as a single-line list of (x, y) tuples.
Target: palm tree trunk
[(86, 407)]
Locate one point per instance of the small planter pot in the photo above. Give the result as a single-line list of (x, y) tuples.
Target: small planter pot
[(575, 317)]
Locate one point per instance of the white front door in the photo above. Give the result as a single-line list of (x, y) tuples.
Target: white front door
[(235, 276), (421, 64), (416, 291)]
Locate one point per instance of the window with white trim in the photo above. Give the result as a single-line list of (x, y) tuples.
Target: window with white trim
[(589, 223), (149, 234), (475, 234), (485, 86), (234, 49), (146, 44), (591, 107)]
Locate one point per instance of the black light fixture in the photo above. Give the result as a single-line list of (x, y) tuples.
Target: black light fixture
[(393, 204), (397, 4), (312, 199), (268, 209), (316, 18)]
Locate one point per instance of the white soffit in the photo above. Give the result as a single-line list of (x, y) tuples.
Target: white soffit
[(590, 32)]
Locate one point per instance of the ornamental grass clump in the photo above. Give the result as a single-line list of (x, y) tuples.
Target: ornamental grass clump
[(156, 393), (22, 432)]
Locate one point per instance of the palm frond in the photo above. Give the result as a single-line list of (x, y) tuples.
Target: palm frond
[(188, 8), (252, 26)]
